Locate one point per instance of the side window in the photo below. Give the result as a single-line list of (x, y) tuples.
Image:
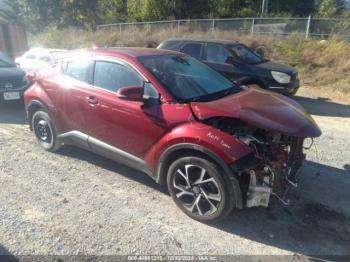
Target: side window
[(192, 49), (217, 53), (112, 76), (77, 70)]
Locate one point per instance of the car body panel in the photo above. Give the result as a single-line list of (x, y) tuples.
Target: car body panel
[(262, 109), (272, 66), (221, 144), (117, 122)]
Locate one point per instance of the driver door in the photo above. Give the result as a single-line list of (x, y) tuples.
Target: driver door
[(217, 57), (130, 126)]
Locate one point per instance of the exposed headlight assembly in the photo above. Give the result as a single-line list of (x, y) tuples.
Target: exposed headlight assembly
[(280, 77)]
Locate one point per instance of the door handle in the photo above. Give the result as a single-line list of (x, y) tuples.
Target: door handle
[(92, 100)]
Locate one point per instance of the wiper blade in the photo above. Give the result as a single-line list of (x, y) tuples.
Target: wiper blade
[(232, 90)]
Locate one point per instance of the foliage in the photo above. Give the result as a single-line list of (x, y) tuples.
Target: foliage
[(39, 15), (10, 12), (327, 8)]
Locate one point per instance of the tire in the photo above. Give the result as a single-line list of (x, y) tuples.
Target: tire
[(203, 201), (44, 131)]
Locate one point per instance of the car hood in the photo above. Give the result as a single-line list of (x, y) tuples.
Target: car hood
[(276, 67), (262, 109), (11, 72)]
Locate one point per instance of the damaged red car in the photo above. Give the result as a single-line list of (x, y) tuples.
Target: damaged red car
[(216, 145)]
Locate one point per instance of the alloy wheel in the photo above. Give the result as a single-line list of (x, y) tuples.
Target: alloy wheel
[(196, 190)]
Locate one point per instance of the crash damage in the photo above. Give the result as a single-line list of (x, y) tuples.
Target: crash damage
[(274, 128)]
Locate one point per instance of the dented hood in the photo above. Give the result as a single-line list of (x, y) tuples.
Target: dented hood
[(262, 109)]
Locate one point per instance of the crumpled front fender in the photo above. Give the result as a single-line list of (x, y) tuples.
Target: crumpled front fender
[(225, 146)]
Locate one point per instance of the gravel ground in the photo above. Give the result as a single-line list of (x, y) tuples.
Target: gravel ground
[(75, 202)]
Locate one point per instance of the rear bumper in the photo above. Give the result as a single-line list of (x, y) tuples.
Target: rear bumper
[(3, 92), (17, 90)]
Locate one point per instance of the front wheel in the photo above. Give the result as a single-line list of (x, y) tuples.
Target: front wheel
[(44, 131), (199, 189)]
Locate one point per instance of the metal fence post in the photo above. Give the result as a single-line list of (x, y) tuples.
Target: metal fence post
[(120, 28), (213, 26), (307, 33), (178, 25), (252, 28)]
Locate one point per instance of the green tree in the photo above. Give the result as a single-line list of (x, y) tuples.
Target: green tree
[(327, 8), (135, 10), (112, 11), (11, 12), (38, 15)]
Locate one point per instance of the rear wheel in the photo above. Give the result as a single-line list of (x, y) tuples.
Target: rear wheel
[(44, 131), (199, 189)]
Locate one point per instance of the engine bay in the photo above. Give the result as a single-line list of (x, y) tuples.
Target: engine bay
[(274, 166)]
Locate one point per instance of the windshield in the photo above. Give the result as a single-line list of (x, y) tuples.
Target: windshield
[(5, 61), (246, 54), (188, 79)]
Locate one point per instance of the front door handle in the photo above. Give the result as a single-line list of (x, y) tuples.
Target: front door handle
[(92, 100)]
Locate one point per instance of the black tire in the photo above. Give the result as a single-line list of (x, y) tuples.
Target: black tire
[(44, 131), (219, 188)]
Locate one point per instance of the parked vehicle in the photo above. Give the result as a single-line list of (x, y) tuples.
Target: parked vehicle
[(216, 146), (239, 63), (13, 81), (38, 58)]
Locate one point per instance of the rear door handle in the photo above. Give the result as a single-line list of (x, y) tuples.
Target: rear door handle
[(92, 100)]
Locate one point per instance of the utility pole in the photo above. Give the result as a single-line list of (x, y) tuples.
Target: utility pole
[(265, 7)]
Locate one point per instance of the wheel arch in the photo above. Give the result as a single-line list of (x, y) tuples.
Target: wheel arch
[(175, 152), (253, 80), (34, 106)]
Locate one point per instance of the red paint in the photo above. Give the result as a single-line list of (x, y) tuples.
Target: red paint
[(133, 93), (262, 109), (146, 131)]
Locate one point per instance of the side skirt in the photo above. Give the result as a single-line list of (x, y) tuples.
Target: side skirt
[(101, 148)]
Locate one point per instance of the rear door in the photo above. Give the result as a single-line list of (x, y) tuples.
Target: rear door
[(77, 94)]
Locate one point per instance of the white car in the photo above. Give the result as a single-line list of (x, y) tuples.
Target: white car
[(37, 58)]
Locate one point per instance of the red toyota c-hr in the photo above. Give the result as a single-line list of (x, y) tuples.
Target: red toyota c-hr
[(217, 146)]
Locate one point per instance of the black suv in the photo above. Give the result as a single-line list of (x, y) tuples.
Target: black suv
[(239, 63), (13, 81)]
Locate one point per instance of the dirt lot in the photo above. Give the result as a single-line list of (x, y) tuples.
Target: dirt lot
[(75, 202)]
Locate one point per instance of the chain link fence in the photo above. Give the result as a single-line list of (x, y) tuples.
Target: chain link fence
[(318, 27)]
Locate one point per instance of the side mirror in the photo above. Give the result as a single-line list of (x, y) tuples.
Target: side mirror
[(131, 93), (230, 60), (150, 95)]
